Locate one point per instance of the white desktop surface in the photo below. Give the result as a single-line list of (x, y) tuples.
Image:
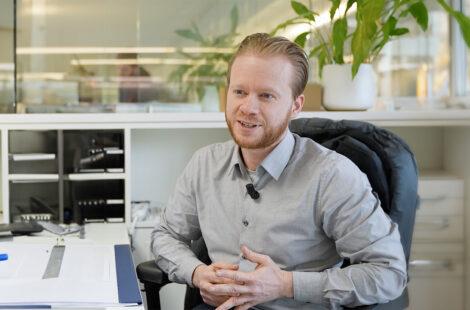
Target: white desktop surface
[(95, 234)]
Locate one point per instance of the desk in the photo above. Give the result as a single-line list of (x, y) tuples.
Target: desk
[(103, 237)]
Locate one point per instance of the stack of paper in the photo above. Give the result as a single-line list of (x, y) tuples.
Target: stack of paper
[(89, 276)]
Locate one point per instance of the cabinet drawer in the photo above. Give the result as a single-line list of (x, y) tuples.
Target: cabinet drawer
[(436, 294), (438, 188), (436, 260), (440, 206), (438, 228)]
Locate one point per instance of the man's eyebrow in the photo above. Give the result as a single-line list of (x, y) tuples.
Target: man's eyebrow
[(269, 90), (238, 86)]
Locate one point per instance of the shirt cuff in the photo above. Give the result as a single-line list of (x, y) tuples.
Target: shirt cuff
[(309, 287), (187, 269)]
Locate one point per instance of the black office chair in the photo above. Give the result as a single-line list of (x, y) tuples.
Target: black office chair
[(384, 157)]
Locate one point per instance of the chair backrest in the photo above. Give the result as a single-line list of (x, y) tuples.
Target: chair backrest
[(383, 156)]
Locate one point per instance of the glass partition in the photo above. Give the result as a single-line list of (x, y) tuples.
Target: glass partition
[(161, 55), (467, 84), (414, 69), (7, 66), (131, 56)]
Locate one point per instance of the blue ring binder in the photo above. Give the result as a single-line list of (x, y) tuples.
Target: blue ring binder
[(128, 287)]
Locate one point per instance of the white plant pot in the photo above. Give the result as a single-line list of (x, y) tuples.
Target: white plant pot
[(210, 101), (341, 92)]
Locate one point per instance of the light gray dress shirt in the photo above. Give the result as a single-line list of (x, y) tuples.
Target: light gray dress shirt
[(315, 208)]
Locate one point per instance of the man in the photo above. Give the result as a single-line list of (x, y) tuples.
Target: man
[(278, 242), (135, 82)]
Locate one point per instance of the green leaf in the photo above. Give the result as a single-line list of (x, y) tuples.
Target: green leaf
[(188, 34), (399, 31), (349, 5), (293, 21), (340, 32), (420, 13), (367, 15), (302, 38), (302, 10), (334, 6), (233, 19), (299, 8), (387, 28), (321, 61), (316, 50), (464, 23), (462, 20)]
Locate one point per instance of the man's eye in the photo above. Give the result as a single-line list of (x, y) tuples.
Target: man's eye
[(238, 92), (267, 96)]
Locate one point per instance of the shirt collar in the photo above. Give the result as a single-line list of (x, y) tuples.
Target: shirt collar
[(236, 161), (277, 160), (274, 163)]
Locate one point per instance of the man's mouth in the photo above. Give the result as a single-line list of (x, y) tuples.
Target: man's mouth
[(248, 125)]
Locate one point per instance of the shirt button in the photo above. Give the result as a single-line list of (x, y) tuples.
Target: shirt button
[(245, 223)]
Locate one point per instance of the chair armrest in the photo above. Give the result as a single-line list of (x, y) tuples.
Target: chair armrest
[(149, 272), (153, 279)]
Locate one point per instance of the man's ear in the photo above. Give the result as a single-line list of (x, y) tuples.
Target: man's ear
[(297, 106)]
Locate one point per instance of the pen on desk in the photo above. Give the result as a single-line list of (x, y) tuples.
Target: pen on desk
[(3, 256)]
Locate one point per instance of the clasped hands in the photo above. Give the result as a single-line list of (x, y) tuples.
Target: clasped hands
[(222, 285)]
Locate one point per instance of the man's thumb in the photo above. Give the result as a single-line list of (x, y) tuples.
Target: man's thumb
[(253, 256)]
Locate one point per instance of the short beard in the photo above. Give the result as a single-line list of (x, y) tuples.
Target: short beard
[(269, 137)]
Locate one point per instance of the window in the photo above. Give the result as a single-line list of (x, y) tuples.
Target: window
[(467, 84), (415, 68), (6, 57), (162, 55), (74, 56)]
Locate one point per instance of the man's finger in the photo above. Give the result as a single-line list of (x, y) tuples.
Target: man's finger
[(234, 301), (237, 276), (219, 265), (212, 289), (230, 289), (255, 257), (245, 306), (221, 280)]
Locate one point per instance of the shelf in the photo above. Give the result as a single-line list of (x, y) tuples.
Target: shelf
[(30, 178), (115, 201), (424, 117), (31, 156), (94, 176)]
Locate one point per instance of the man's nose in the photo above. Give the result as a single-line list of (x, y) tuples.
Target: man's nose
[(250, 105)]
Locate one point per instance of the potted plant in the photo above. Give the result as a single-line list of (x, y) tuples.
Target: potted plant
[(205, 74), (377, 22)]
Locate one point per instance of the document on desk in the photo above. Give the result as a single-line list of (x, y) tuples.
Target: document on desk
[(89, 276)]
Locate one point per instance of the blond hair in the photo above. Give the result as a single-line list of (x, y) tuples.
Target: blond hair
[(262, 44)]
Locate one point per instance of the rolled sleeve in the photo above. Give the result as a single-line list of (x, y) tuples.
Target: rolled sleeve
[(309, 287), (187, 267)]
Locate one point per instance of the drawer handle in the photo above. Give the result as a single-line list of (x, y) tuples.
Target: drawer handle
[(440, 224), (433, 199), (428, 264)]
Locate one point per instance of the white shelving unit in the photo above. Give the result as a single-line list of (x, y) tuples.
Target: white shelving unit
[(94, 176), (33, 177), (157, 147)]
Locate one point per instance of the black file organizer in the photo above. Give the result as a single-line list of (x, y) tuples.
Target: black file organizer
[(69, 175), (34, 198), (93, 150), (91, 200), (27, 142), (91, 153), (32, 192)]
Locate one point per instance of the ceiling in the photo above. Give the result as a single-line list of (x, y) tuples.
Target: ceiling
[(133, 22)]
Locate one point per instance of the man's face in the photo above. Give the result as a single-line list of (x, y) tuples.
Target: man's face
[(260, 101)]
